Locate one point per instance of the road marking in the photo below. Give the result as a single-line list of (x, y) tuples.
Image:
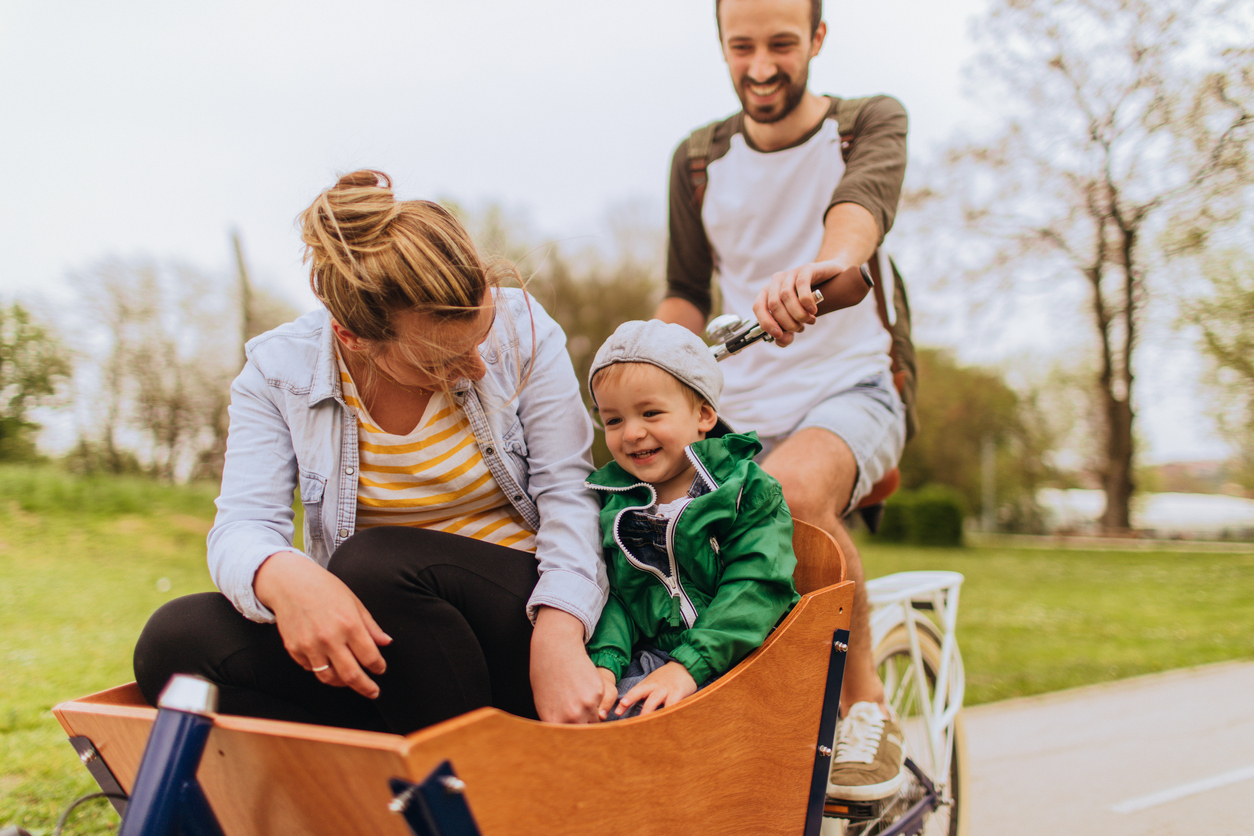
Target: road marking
[(1245, 773)]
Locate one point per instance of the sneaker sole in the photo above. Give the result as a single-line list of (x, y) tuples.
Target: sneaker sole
[(868, 792)]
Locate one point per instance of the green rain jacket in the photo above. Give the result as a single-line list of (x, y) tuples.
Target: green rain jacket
[(729, 579)]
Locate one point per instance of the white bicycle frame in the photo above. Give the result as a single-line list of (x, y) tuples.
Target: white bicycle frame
[(893, 600)]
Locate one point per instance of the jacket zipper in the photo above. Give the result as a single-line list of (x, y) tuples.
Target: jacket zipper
[(686, 608), (687, 611)]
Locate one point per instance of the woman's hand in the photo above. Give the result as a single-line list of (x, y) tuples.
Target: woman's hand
[(665, 686), (564, 682), (322, 622), (609, 692)]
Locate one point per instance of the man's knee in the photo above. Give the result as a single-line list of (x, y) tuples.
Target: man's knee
[(805, 500), (817, 471)]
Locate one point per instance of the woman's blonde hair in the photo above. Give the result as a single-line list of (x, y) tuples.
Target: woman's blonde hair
[(372, 257)]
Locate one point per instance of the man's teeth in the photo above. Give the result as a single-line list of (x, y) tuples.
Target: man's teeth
[(763, 90)]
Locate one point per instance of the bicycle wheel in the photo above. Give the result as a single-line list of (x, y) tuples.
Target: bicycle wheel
[(892, 659)]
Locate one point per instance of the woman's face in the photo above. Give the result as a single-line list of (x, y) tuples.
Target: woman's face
[(429, 352)]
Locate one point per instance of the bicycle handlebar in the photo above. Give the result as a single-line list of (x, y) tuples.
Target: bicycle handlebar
[(842, 291)]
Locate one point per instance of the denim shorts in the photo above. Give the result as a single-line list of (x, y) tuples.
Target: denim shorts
[(870, 418)]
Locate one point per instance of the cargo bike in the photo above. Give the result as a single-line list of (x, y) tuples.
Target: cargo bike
[(748, 754)]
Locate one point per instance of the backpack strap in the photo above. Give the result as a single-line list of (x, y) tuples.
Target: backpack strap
[(894, 315), (700, 142)]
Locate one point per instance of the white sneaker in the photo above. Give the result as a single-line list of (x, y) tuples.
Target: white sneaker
[(869, 763)]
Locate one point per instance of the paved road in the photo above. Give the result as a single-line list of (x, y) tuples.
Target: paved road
[(1159, 755)]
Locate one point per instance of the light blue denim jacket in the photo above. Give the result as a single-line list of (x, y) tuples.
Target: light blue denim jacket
[(290, 426)]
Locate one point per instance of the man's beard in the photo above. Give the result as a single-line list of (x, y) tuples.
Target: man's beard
[(793, 94)]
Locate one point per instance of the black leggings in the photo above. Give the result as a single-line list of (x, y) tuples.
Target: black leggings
[(454, 607)]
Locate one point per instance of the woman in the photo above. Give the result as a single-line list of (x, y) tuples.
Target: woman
[(433, 425)]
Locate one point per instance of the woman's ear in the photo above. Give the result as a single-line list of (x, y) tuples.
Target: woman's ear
[(347, 338), (706, 418)]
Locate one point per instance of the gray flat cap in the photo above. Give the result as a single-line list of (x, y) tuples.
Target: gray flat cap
[(672, 348)]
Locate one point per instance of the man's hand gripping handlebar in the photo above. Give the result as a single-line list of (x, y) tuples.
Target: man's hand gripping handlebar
[(733, 334)]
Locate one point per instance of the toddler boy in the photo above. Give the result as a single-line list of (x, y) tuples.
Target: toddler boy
[(697, 538)]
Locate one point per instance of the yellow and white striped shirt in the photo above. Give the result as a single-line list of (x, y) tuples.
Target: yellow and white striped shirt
[(433, 477)]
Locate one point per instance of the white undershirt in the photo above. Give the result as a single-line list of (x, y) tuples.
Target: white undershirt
[(763, 213)]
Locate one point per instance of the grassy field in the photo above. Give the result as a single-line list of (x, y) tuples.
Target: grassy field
[(84, 562), (82, 565), (1032, 621)]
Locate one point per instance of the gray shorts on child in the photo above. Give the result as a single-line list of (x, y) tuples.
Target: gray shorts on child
[(643, 662)]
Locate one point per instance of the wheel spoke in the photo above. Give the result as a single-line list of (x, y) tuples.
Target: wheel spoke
[(904, 693)]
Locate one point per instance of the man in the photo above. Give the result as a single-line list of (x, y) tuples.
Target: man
[(778, 212)]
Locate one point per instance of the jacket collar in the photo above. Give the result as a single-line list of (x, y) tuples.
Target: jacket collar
[(326, 374), (716, 459)]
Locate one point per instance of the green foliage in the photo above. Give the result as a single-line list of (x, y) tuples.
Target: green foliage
[(930, 516), (33, 365), (17, 440), (936, 517), (1224, 316), (102, 457), (1120, 131), (959, 408)]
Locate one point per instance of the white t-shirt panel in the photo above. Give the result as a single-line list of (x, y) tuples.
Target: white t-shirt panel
[(763, 213)]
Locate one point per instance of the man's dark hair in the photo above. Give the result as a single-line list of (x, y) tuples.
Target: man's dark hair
[(816, 15)]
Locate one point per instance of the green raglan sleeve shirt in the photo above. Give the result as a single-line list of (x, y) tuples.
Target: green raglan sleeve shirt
[(755, 589)]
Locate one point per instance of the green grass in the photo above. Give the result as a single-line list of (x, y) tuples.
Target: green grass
[(1032, 621), (83, 562)]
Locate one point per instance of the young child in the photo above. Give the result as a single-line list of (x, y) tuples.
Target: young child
[(697, 537)]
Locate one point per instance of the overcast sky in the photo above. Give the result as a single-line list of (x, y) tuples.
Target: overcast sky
[(153, 127)]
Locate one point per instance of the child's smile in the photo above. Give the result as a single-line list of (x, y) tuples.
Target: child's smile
[(649, 421)]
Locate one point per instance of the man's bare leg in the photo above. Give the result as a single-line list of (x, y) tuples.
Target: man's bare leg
[(817, 471)]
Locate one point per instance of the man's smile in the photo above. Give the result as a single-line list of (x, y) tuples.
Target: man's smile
[(766, 89)]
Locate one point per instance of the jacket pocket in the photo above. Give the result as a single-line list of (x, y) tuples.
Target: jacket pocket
[(515, 446), (312, 488)]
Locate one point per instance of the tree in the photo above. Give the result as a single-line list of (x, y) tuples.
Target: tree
[(1118, 116), (162, 344), (33, 365), (961, 409), (1225, 319)]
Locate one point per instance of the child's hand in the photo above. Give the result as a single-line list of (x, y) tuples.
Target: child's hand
[(665, 686), (609, 691)]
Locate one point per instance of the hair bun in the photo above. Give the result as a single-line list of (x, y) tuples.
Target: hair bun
[(351, 216), (363, 178), (372, 256)]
